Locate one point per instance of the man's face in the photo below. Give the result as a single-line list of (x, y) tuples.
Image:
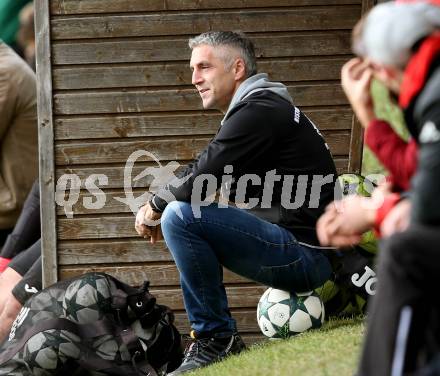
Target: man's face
[(215, 84)]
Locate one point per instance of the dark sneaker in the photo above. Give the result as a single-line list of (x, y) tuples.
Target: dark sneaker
[(205, 351)]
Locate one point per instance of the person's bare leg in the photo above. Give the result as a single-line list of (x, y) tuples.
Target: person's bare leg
[(8, 279), (7, 317)]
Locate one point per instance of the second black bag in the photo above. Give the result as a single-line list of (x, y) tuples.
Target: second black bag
[(92, 325)]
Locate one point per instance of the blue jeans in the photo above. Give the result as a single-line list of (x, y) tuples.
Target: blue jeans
[(241, 242)]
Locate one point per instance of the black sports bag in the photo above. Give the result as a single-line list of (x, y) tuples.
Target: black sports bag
[(92, 325)]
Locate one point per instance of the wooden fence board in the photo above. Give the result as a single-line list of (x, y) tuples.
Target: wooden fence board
[(238, 296), (105, 102), (107, 51), (110, 203), (45, 142), (253, 338), (158, 275), (115, 173), (64, 7), (144, 125), (175, 124), (356, 147), (164, 149), (112, 152), (97, 228), (169, 23), (246, 321), (177, 74), (105, 252)]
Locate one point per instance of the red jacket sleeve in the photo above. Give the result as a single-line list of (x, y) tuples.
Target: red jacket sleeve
[(398, 156), (389, 203)]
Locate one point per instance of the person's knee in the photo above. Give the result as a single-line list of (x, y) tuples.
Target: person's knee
[(12, 309), (8, 315), (8, 280), (175, 214)]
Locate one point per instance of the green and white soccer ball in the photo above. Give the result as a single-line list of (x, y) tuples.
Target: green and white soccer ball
[(281, 314)]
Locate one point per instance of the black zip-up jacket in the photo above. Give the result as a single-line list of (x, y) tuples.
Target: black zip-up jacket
[(266, 133), (423, 120)]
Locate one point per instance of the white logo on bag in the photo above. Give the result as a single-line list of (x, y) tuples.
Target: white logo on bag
[(367, 279), (32, 290), (18, 321)]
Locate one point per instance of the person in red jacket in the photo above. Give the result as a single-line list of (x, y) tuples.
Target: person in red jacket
[(397, 155), (343, 223), (399, 44)]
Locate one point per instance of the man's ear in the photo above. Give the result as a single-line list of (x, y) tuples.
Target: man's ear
[(239, 69)]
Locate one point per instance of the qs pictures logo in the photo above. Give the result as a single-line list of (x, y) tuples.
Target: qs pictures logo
[(69, 186)]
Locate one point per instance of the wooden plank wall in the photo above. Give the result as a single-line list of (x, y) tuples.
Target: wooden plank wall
[(121, 82)]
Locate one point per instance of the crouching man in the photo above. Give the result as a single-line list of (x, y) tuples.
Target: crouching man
[(268, 156)]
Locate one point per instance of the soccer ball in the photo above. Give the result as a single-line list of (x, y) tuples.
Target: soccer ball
[(281, 314)]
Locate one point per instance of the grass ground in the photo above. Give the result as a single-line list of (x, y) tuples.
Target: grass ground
[(331, 350)]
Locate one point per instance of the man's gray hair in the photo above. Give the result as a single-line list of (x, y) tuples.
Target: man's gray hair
[(235, 39)]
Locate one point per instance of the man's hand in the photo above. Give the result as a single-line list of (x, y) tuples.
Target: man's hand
[(156, 234), (397, 219), (344, 221), (145, 223), (381, 192), (356, 76)]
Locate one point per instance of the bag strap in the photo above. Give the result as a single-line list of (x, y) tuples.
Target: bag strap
[(121, 370), (109, 367)]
